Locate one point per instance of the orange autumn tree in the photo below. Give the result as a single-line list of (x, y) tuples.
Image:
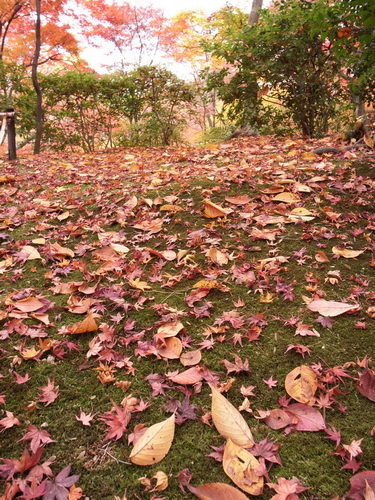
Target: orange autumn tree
[(132, 35)]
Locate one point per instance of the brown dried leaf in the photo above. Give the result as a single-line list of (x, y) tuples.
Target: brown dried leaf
[(301, 384), (216, 491), (228, 420), (243, 468), (154, 444)]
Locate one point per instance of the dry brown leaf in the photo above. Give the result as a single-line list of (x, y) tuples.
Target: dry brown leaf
[(217, 256), (31, 252), (286, 197), (216, 491), (161, 481), (212, 211), (301, 384), (30, 304), (154, 444), (238, 200), (348, 254), (321, 256), (169, 329), (369, 141), (85, 326), (191, 358), (228, 420), (241, 466), (172, 348), (59, 251)]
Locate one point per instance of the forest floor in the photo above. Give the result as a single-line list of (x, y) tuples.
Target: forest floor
[(223, 293)]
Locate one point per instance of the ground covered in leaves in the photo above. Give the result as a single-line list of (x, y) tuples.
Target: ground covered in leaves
[(176, 320)]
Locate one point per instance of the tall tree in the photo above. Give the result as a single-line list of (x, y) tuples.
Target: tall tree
[(34, 76)]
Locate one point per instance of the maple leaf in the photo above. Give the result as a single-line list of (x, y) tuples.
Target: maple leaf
[(238, 366), (58, 489), (13, 465), (84, 418), (334, 435), (50, 393), (299, 348), (36, 437), (286, 487), (9, 421), (354, 448), (34, 490), (270, 382), (267, 449), (117, 420)]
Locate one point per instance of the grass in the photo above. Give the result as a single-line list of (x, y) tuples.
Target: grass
[(72, 200)]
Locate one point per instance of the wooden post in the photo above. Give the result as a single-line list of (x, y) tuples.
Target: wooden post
[(11, 126)]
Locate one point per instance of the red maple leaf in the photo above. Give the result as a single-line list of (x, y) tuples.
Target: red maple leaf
[(50, 393), (36, 437), (117, 420)]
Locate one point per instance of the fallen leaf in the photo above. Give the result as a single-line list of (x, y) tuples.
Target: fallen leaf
[(348, 254), (228, 420), (217, 257), (366, 384), (31, 252), (212, 211), (191, 358), (330, 308), (301, 384), (85, 326), (359, 483), (243, 468), (171, 349), (189, 377), (154, 444), (308, 418), (286, 197), (216, 491)]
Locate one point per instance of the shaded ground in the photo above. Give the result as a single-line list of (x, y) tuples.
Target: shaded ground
[(121, 269)]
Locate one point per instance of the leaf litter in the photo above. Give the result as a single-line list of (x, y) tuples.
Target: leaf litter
[(217, 250)]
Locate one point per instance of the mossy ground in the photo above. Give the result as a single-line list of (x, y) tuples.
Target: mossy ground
[(93, 191)]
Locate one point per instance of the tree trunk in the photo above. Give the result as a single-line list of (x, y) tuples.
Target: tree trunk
[(254, 14), (34, 76)]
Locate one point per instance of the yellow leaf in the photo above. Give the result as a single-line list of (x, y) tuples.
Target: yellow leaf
[(369, 141), (31, 252), (29, 353), (139, 285), (212, 211), (348, 254), (119, 248), (154, 444), (217, 256), (170, 208), (287, 197), (228, 420), (241, 466), (210, 284), (39, 241), (161, 481), (301, 384)]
